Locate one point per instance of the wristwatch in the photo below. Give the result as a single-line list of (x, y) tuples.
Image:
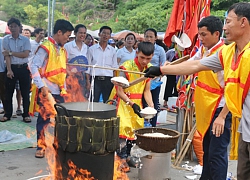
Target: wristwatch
[(10, 53)]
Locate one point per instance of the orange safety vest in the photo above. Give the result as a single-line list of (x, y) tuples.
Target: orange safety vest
[(208, 94), (55, 71), (129, 121), (236, 76)]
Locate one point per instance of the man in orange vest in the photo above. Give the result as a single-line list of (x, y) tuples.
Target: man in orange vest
[(48, 69), (234, 60), (209, 102)]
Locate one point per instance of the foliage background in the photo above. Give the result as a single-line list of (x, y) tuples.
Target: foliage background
[(135, 15)]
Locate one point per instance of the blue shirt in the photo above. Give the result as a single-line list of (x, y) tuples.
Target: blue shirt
[(2, 64), (19, 44), (125, 55), (159, 57)]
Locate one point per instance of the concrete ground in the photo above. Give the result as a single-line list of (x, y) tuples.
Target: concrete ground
[(22, 165)]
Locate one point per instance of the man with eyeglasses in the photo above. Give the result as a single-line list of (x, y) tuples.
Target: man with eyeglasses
[(102, 54), (16, 49)]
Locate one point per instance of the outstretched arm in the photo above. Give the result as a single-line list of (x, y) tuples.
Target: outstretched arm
[(188, 67), (185, 68)]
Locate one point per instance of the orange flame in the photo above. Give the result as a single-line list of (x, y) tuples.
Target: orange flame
[(118, 173), (78, 173), (74, 90), (50, 154), (47, 110)]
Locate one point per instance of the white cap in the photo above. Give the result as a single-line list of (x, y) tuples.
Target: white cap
[(182, 42)]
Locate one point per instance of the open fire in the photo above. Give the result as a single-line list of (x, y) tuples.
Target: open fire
[(67, 163), (74, 172)]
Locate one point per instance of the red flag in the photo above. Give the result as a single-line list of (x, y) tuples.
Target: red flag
[(204, 13), (175, 21)]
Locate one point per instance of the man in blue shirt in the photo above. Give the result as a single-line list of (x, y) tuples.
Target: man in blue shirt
[(16, 49)]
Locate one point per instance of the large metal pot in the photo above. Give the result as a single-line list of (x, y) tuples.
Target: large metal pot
[(80, 109), (88, 138), (155, 166)]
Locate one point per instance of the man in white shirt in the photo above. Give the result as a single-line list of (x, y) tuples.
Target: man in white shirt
[(39, 34), (102, 54)]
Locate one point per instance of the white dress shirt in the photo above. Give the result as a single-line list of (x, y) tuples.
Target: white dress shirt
[(73, 50), (99, 57)]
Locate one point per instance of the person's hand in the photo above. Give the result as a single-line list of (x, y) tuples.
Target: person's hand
[(136, 109), (88, 85), (74, 70), (218, 126), (153, 71), (45, 91), (6, 53), (10, 74)]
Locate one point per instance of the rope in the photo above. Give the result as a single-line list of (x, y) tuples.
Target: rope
[(91, 93)]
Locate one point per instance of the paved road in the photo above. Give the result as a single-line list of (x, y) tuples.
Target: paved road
[(22, 165)]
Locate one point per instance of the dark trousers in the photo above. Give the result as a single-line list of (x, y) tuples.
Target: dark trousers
[(2, 87), (155, 96), (243, 168), (215, 158), (103, 85), (22, 74), (170, 89), (41, 123)]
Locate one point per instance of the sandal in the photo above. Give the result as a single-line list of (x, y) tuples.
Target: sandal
[(19, 112), (26, 119), (14, 116), (133, 162), (40, 153), (4, 119)]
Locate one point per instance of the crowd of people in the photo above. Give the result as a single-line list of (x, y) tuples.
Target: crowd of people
[(42, 66)]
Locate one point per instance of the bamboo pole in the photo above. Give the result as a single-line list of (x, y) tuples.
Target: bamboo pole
[(185, 147), (184, 128), (108, 68)]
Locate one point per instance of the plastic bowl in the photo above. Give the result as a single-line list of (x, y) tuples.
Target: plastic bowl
[(147, 116)]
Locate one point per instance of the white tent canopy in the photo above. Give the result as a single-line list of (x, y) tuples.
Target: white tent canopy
[(93, 33), (4, 27)]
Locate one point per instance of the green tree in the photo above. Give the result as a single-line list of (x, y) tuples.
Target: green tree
[(223, 4), (38, 16), (145, 16), (14, 9)]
